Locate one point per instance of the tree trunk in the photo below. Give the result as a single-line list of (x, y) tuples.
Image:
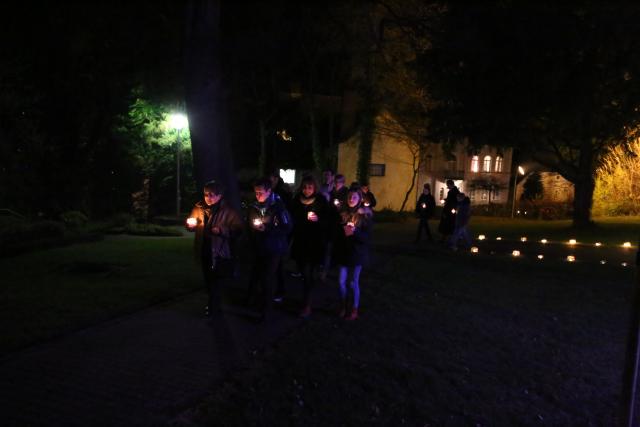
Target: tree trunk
[(206, 98), (584, 186), (416, 168)]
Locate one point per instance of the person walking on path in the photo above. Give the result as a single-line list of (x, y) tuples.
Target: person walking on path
[(311, 214), (463, 215), (351, 249), (425, 206), (216, 226), (448, 218), (270, 224)]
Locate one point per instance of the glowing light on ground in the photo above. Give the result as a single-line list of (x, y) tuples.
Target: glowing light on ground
[(481, 237), (474, 250), (624, 264), (523, 239), (626, 245), (544, 241), (571, 258), (598, 244), (603, 262), (498, 238), (515, 253), (572, 241), (540, 256)]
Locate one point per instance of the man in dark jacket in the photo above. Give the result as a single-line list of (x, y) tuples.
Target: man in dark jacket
[(270, 224), (425, 206), (448, 218), (216, 225)]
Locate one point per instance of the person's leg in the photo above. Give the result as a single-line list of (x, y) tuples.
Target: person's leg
[(342, 281), (268, 279), (327, 261), (427, 230), (355, 288)]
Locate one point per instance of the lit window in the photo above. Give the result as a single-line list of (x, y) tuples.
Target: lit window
[(498, 167), (486, 164), (475, 164)]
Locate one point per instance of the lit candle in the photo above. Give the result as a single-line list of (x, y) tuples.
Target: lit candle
[(523, 239), (603, 262), (624, 264), (192, 222), (257, 222), (598, 244), (336, 202), (424, 206), (571, 258), (350, 224), (453, 211), (626, 245), (572, 241), (498, 238), (367, 204), (311, 215), (540, 256), (474, 250), (544, 241), (481, 237), (515, 253)]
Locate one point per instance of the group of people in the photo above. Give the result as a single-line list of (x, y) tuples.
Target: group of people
[(319, 225), (454, 221)]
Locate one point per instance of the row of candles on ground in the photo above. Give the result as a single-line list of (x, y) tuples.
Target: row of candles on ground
[(571, 242), (569, 258)]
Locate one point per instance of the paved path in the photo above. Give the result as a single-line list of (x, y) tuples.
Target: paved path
[(139, 370)]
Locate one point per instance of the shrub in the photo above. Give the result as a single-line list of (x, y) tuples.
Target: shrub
[(122, 219), (151, 230), (74, 219)]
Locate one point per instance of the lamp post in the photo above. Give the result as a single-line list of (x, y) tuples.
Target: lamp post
[(178, 122), (515, 184)]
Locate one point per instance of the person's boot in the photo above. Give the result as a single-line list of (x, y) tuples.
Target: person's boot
[(353, 315)]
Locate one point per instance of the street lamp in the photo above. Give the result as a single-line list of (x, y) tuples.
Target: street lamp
[(515, 177), (178, 122)]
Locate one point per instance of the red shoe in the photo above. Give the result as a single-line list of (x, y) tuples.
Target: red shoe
[(353, 315), (305, 312)]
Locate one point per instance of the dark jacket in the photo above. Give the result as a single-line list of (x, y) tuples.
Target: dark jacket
[(277, 221), (340, 196), (353, 250), (219, 215), (310, 238), (369, 200), (463, 213), (425, 206), (448, 218)]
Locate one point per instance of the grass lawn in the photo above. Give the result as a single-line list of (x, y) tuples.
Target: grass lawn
[(447, 339), (49, 292)]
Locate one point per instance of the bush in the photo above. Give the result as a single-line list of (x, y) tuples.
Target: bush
[(122, 219), (151, 230), (22, 232), (74, 220)]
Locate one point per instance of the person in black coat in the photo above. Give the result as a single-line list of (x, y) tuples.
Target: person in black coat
[(311, 215), (270, 224), (448, 218), (351, 248), (425, 207)]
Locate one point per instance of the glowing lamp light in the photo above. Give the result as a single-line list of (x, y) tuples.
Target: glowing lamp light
[(544, 241), (192, 222), (257, 222), (598, 244), (571, 258), (178, 121), (515, 253), (481, 237), (498, 238), (474, 249), (572, 241), (523, 239), (626, 245), (603, 262), (540, 256)]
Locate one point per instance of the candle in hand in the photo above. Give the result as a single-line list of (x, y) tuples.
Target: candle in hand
[(257, 222), (351, 224), (453, 211), (424, 205), (192, 222), (336, 202), (311, 216)]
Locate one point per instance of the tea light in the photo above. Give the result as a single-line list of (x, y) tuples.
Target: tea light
[(626, 245), (540, 256), (498, 238), (571, 258), (572, 241), (336, 202), (311, 215), (453, 211), (481, 237), (603, 262), (424, 206), (192, 222), (515, 253), (544, 241), (624, 264), (257, 222), (474, 250), (523, 239), (598, 244), (367, 204)]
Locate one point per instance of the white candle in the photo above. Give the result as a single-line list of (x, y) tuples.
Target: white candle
[(192, 222), (257, 222)]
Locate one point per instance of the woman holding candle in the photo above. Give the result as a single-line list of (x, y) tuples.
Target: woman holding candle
[(310, 213), (351, 248), (216, 225), (425, 206), (270, 224)]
